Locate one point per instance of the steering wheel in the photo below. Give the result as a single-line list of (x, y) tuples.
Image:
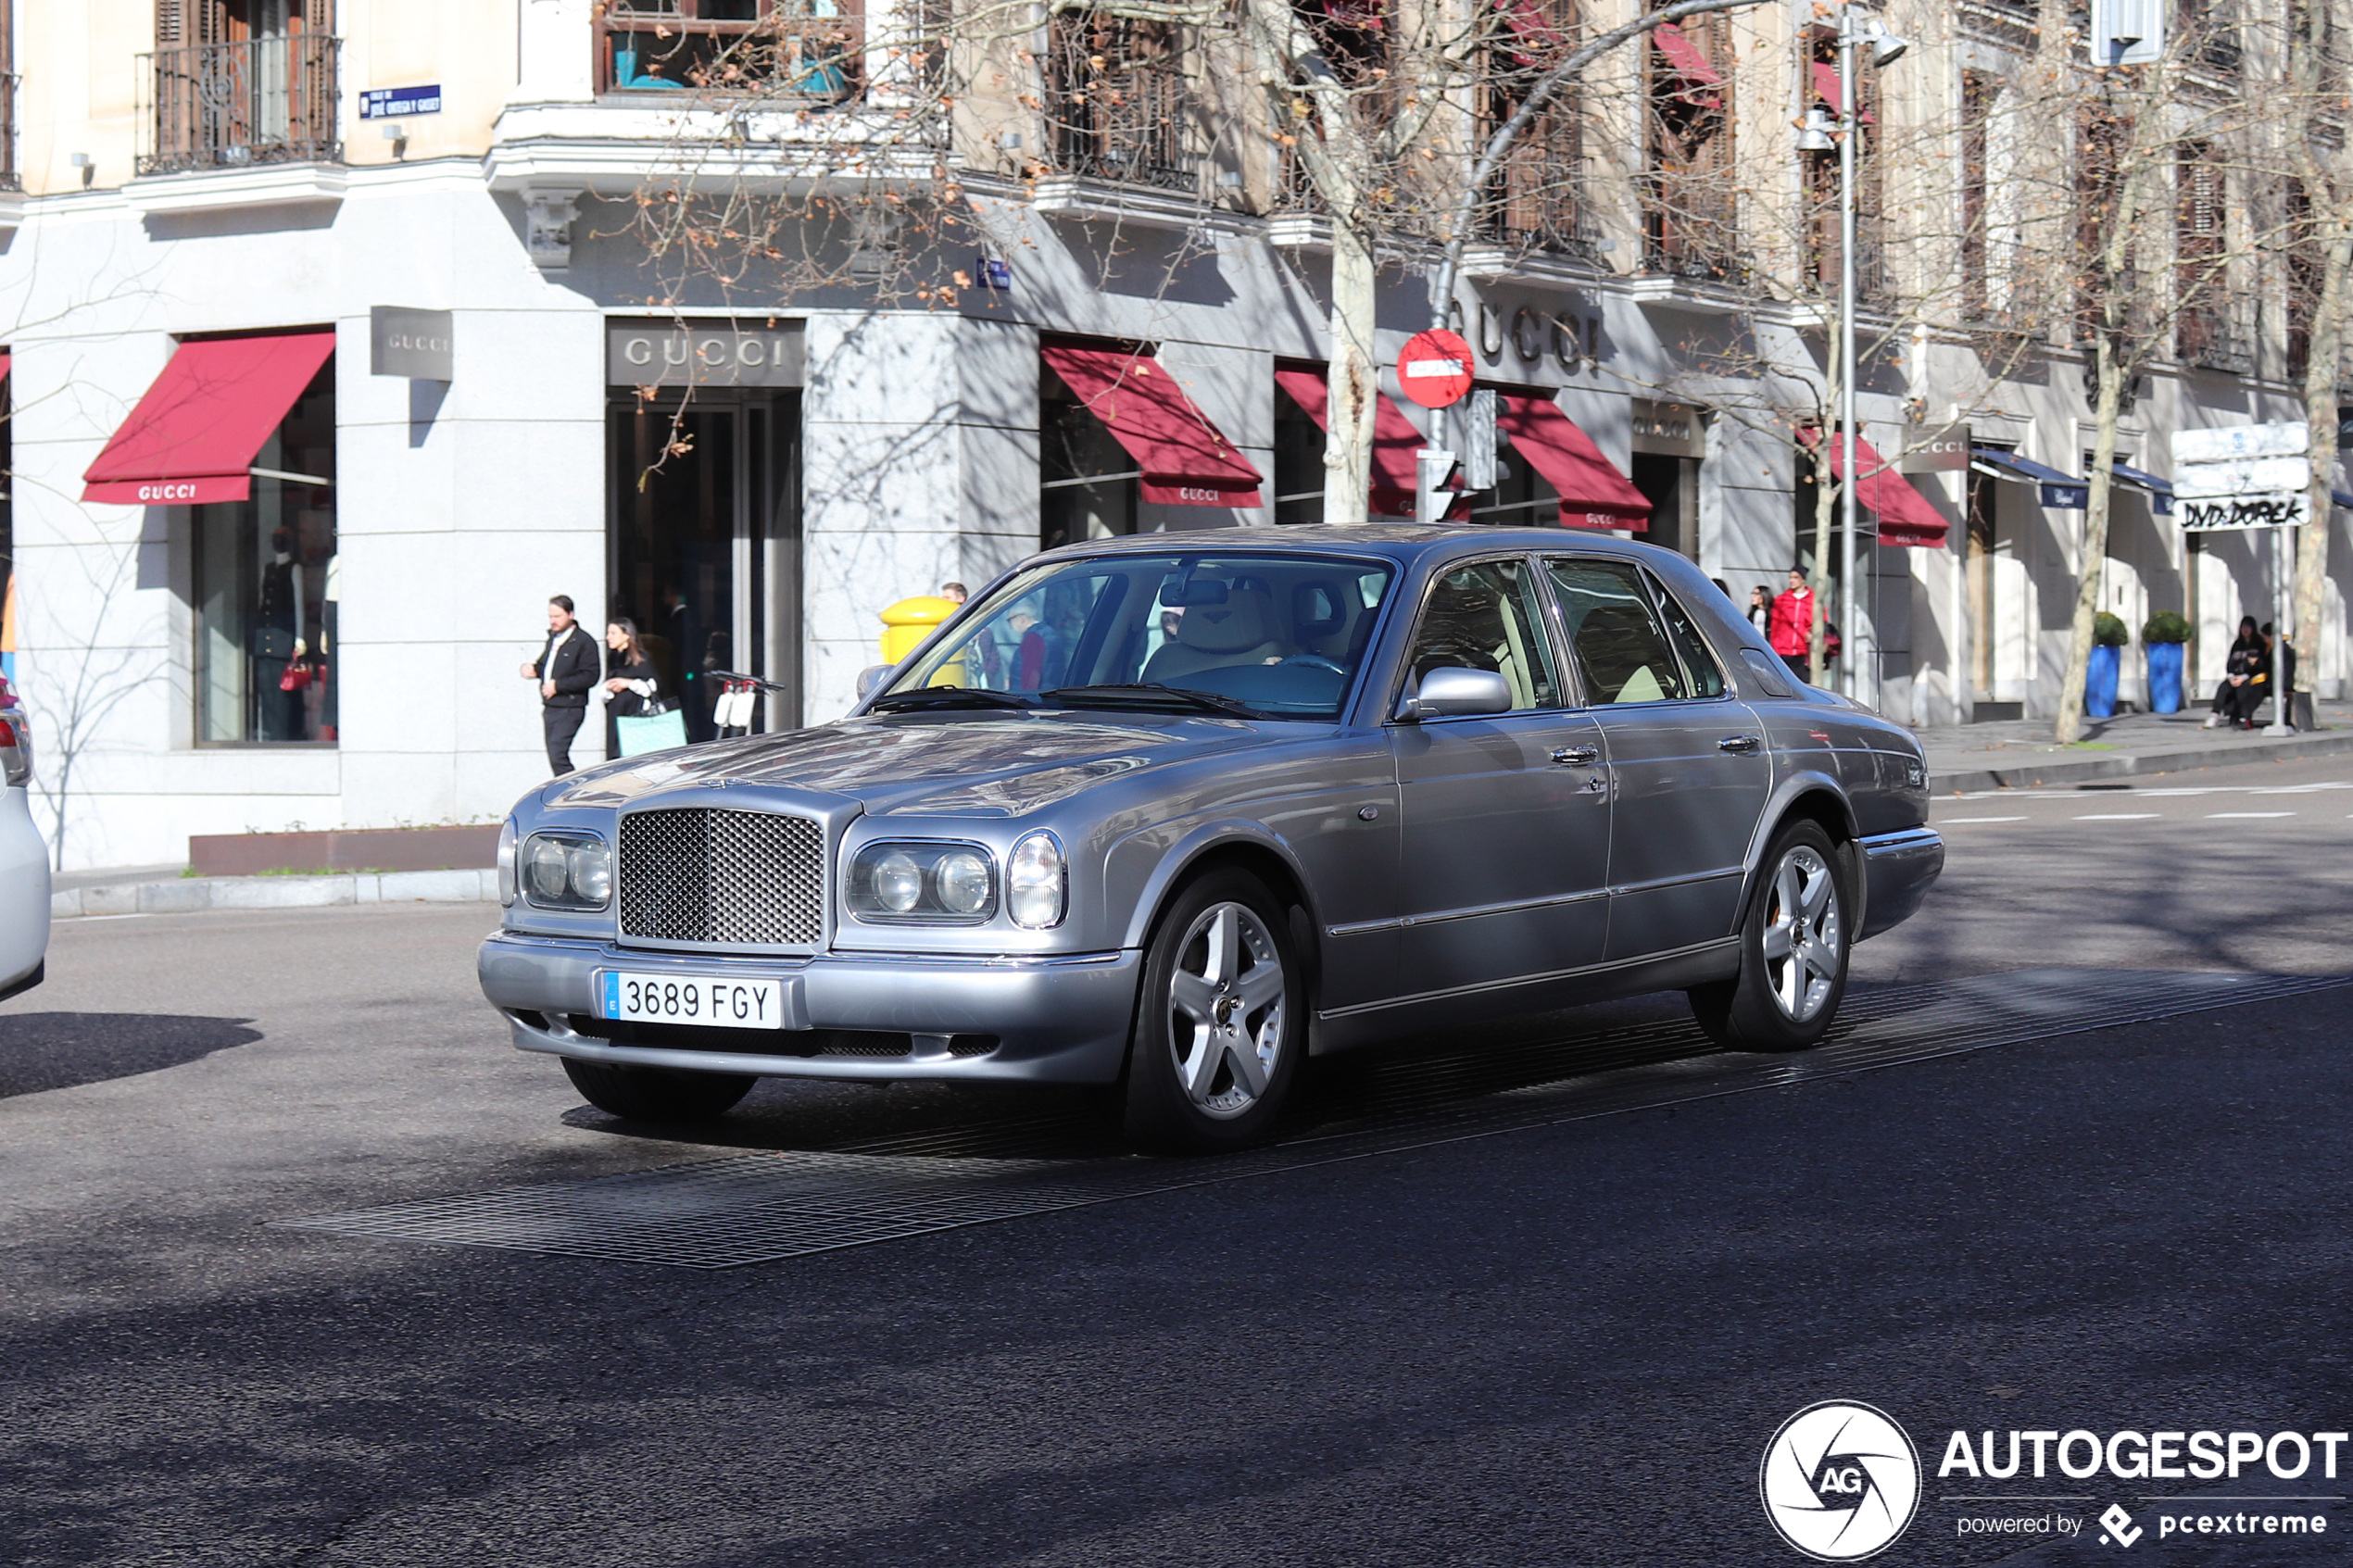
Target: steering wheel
[(1317, 660)]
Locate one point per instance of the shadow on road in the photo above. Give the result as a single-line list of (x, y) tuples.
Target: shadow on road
[(57, 1050)]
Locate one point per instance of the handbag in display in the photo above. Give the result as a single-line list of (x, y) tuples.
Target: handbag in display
[(659, 733), (296, 677)]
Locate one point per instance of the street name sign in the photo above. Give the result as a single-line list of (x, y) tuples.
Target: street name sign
[(393, 103)]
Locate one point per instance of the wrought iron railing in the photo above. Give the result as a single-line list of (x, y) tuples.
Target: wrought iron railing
[(10, 179), (223, 106), (815, 50), (1117, 106)]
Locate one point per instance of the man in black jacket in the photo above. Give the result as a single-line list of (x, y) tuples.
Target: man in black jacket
[(567, 670)]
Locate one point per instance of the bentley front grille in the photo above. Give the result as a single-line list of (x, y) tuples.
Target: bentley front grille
[(695, 875)]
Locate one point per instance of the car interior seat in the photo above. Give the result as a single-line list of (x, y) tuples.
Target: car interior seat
[(1218, 636), (1616, 644)]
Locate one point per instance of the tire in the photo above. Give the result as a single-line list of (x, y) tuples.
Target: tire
[(1787, 991), (1220, 1022), (657, 1094)]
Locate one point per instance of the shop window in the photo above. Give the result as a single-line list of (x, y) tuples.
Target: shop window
[(805, 48), (1087, 482), (269, 653), (1298, 463)]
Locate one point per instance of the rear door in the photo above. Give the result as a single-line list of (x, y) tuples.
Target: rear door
[(1687, 764), (1505, 853)]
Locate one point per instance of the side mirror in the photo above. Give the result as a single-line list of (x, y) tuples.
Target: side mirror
[(871, 677), (1454, 693)]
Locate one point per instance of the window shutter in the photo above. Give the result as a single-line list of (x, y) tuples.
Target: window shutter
[(170, 23), (318, 16)]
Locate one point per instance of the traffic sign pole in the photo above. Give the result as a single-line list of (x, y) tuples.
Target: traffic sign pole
[(1434, 370)]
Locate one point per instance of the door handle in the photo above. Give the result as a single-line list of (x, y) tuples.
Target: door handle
[(1577, 755), (1743, 745)]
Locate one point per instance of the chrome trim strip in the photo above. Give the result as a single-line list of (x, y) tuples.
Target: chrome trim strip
[(1474, 912), (1484, 986), (610, 953), (1656, 883), (1901, 842)]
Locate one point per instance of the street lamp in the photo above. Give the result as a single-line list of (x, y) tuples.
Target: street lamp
[(1854, 28)]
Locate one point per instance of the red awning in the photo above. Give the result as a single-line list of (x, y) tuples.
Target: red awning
[(1594, 494), (1826, 89), (6, 359), (1689, 64), (1537, 40), (199, 428), (1186, 460), (1904, 517), (1394, 439)]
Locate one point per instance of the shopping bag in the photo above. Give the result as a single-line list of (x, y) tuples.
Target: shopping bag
[(656, 734)]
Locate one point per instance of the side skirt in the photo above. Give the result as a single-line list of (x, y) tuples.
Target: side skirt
[(1343, 1028)]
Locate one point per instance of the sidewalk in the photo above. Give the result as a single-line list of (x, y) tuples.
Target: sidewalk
[(138, 890), (2010, 754)]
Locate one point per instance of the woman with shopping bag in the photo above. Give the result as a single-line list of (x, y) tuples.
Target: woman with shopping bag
[(643, 719)]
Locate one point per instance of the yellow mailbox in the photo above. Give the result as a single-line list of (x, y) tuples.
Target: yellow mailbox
[(909, 621)]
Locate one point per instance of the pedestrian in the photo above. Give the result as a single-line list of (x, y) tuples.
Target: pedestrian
[(1790, 623), (2245, 681), (567, 670), (954, 593), (631, 681), (1760, 609)]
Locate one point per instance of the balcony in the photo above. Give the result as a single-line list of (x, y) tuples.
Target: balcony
[(1117, 104), (767, 49), (2206, 338), (266, 100)]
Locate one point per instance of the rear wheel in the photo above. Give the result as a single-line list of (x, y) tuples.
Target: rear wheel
[(1219, 1027), (1794, 940), (657, 1094)]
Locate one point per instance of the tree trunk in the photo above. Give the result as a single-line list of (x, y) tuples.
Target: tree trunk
[(1353, 377), (2319, 412), (2093, 569)]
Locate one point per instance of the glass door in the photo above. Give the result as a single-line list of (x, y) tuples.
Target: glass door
[(703, 547)]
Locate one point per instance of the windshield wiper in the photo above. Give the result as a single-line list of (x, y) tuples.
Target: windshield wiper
[(943, 697), (1149, 694)]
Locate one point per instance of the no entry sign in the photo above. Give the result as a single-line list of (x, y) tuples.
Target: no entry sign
[(1435, 369)]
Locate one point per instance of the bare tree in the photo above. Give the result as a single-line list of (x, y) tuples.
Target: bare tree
[(2313, 132)]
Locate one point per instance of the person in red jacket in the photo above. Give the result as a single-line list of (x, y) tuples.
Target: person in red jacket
[(1792, 630)]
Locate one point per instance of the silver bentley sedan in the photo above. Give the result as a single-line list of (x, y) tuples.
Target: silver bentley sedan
[(1175, 812)]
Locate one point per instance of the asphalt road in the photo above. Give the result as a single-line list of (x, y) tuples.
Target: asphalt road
[(1563, 1345)]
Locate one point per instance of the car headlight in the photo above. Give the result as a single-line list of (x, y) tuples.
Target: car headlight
[(1037, 882), (566, 870), (507, 863), (915, 881)]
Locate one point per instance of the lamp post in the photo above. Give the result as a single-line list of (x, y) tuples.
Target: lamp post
[(1855, 28)]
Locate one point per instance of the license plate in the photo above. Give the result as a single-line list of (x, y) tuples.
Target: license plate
[(721, 1003)]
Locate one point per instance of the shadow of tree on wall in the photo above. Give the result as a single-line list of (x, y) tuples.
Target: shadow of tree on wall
[(57, 1050)]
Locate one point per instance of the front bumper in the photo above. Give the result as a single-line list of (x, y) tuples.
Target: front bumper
[(1898, 870), (1060, 1020)]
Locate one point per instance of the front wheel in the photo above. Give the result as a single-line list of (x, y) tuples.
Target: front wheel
[(657, 1094), (1219, 1026), (1794, 941)]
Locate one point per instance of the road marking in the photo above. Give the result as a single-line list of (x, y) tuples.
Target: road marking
[(2118, 817), (1980, 818), (2213, 816)]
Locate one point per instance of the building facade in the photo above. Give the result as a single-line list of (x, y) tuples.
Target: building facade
[(338, 342)]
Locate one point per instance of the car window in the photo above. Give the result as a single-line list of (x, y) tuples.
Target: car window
[(1613, 634), (1281, 634), (1706, 677), (1485, 616)]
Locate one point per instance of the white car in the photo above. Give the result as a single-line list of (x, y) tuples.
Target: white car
[(24, 858)]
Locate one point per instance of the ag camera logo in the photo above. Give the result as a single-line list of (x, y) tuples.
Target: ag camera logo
[(1840, 1481)]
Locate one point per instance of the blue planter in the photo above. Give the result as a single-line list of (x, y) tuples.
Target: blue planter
[(2099, 684), (2165, 677)]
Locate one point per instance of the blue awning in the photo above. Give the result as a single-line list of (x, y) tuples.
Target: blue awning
[(2063, 491), (2160, 491)]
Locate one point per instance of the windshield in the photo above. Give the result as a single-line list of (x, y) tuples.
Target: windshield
[(1279, 636)]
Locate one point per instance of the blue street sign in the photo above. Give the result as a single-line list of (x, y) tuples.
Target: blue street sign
[(389, 103), (994, 274)]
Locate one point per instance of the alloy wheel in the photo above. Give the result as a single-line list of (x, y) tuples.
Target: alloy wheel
[(1802, 942), (1228, 998)]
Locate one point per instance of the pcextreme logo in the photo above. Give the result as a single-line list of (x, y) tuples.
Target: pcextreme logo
[(1840, 1481)]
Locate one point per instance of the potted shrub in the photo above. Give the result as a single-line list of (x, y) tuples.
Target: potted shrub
[(2108, 637), (2163, 638)]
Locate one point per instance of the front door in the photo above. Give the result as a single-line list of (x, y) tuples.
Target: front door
[(702, 544), (1504, 853), (1688, 765)]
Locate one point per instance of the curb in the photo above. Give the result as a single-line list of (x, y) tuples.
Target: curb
[(188, 895), (2335, 743)]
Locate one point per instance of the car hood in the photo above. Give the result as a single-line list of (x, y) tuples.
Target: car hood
[(961, 764)]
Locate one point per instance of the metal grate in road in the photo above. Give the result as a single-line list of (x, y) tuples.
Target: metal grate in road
[(759, 1207)]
